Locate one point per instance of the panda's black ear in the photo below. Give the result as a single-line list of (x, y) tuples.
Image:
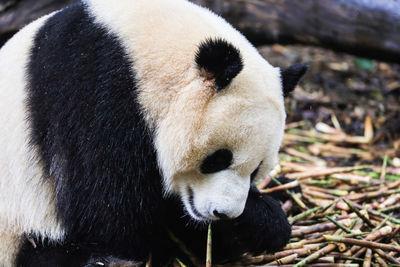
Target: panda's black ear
[(218, 60), (291, 76)]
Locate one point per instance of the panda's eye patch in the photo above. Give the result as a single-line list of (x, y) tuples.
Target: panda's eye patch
[(217, 161), (254, 173)]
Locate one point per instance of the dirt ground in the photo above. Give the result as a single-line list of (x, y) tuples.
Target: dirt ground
[(348, 87), (342, 148)]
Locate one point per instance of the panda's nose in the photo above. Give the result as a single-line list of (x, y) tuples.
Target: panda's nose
[(220, 215)]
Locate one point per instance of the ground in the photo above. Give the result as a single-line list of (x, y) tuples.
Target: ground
[(342, 146)]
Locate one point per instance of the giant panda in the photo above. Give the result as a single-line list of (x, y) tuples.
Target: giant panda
[(127, 125)]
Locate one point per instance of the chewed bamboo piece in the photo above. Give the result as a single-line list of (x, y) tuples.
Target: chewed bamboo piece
[(209, 247)]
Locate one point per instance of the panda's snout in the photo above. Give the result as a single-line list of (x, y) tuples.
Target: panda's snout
[(217, 196), (201, 207), (225, 215), (230, 210)]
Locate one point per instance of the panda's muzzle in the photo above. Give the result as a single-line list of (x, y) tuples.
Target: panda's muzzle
[(193, 208), (216, 196), (215, 212)]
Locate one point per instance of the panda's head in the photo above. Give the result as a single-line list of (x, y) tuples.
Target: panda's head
[(223, 128)]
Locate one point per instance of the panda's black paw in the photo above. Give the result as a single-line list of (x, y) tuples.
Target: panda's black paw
[(111, 262), (263, 226)]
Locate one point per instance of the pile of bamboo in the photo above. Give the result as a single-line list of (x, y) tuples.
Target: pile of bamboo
[(344, 216)]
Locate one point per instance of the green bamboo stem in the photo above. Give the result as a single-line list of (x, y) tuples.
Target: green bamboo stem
[(382, 223), (209, 247), (338, 224), (391, 208), (303, 214), (359, 214)]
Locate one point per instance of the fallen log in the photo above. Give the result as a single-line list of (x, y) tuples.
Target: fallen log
[(367, 28)]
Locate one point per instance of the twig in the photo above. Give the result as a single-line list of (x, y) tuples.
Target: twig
[(380, 260), (382, 223), (383, 172), (379, 214), (367, 258), (387, 256), (284, 260), (209, 247), (323, 251), (362, 243), (323, 172), (280, 187), (359, 214), (316, 228), (391, 208), (338, 224), (303, 214), (293, 195)]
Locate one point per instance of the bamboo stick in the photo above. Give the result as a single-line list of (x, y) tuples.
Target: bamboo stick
[(287, 205), (317, 161), (359, 214), (292, 195), (280, 187), (278, 255), (387, 256), (363, 243), (338, 224), (323, 172), (295, 245), (367, 258), (209, 247), (323, 251), (380, 260), (284, 260), (391, 208), (317, 228), (377, 213), (383, 172)]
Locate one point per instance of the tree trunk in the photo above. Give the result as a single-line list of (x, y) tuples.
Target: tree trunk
[(368, 28)]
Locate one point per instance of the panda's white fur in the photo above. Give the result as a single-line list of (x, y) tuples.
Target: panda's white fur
[(190, 119), (26, 201)]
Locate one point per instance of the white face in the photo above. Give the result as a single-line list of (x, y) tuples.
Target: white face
[(245, 119), (238, 143)]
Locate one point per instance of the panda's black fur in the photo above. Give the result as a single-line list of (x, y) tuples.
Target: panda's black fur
[(262, 227), (99, 154), (220, 59), (92, 138)]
